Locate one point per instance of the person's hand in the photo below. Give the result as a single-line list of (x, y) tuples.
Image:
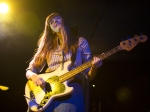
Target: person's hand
[(97, 62), (38, 81)]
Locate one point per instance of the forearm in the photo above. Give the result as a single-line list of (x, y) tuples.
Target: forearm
[(92, 73)]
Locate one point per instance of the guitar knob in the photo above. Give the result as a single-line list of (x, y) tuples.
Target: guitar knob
[(44, 101), (46, 97), (32, 95)]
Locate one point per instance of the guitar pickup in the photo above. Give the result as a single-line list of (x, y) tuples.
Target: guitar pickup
[(48, 87)]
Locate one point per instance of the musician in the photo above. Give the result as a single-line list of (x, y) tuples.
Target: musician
[(56, 46)]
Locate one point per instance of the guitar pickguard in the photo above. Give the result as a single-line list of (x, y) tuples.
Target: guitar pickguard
[(56, 88)]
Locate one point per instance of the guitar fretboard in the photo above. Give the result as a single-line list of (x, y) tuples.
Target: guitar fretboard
[(86, 65)]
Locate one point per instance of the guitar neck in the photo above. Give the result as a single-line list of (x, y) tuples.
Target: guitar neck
[(88, 64), (109, 53)]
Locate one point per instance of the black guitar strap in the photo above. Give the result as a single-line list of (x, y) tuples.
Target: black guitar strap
[(84, 82), (73, 57)]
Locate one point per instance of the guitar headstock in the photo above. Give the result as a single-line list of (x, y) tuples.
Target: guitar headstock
[(132, 42)]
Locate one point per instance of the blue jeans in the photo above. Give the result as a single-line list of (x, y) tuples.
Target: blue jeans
[(65, 107)]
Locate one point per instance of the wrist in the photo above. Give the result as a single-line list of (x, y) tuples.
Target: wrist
[(31, 75), (93, 68)]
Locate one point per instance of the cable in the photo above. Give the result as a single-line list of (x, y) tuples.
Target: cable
[(98, 21)]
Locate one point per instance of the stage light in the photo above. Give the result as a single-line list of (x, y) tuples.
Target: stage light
[(123, 94), (4, 88), (3, 8), (93, 85)]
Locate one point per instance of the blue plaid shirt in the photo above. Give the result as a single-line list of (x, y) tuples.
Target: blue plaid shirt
[(55, 60)]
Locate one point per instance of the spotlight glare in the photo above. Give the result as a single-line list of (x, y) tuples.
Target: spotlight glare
[(93, 85), (3, 8), (4, 87)]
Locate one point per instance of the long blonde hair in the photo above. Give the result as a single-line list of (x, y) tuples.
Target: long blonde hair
[(48, 40)]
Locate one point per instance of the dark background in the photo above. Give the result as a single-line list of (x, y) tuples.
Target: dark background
[(122, 83)]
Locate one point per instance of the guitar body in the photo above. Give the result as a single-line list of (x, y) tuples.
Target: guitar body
[(41, 96)]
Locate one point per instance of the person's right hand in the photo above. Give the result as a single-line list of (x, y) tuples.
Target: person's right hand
[(38, 81)]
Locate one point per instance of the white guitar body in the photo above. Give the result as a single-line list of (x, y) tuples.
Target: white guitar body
[(39, 96)]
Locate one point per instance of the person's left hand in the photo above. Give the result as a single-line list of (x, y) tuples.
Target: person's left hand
[(97, 62)]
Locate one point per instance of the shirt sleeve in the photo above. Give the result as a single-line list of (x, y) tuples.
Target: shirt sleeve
[(86, 53), (36, 68)]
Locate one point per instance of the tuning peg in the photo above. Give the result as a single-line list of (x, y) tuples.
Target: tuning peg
[(129, 37), (135, 39), (135, 35), (141, 36), (123, 41)]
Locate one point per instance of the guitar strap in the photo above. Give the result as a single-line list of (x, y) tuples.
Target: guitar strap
[(73, 57)]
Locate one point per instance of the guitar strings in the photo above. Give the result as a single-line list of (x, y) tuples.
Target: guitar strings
[(88, 64)]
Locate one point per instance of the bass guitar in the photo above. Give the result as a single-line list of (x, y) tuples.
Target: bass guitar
[(39, 99)]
